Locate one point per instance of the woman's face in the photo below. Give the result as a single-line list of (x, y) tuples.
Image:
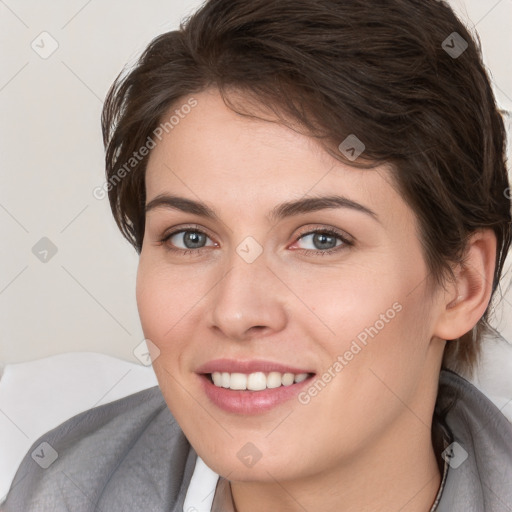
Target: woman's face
[(263, 257)]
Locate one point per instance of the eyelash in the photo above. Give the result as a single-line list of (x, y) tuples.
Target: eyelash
[(308, 252)]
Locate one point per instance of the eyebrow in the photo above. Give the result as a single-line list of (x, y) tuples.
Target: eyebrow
[(313, 204), (287, 209), (181, 204)]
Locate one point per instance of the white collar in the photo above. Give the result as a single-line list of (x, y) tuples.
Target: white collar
[(201, 490)]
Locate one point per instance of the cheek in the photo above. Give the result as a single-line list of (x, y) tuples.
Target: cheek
[(343, 303), (167, 305), (167, 302), (375, 315), (368, 364), (378, 352)]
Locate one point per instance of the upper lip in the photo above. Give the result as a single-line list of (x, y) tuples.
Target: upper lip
[(235, 366)]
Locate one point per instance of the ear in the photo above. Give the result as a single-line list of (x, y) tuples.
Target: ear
[(466, 299)]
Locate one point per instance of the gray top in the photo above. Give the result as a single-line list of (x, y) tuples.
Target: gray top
[(132, 455)]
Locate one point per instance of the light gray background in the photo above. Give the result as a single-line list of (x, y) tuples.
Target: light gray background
[(51, 157)]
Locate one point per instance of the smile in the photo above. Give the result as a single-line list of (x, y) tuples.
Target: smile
[(256, 381), (251, 387)]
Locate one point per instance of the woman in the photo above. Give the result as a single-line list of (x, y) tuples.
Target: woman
[(318, 194)]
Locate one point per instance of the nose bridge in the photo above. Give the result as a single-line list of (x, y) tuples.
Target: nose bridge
[(246, 297)]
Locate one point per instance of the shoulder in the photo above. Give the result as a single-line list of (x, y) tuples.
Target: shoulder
[(126, 455), (480, 454)]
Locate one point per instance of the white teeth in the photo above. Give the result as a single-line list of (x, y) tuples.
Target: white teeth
[(273, 380), (256, 381), (287, 379), (238, 381), (217, 379)]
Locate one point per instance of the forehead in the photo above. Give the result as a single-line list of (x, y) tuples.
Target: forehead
[(225, 158)]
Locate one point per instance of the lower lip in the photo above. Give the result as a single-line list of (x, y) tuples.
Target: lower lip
[(250, 402)]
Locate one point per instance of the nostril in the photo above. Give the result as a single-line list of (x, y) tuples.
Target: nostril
[(257, 328)]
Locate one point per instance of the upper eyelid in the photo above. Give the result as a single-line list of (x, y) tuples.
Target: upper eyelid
[(174, 231), (329, 230)]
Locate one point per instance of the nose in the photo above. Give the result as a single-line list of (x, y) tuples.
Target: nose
[(248, 301)]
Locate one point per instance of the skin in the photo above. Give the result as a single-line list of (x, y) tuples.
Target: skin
[(364, 441)]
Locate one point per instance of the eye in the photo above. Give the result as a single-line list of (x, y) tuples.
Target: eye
[(188, 239), (321, 241)]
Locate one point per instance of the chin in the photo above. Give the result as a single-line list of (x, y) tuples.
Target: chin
[(262, 470)]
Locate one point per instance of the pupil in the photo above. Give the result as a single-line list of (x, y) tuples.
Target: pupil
[(323, 241), (193, 240)]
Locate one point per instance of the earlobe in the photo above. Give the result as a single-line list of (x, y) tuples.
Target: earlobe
[(467, 297)]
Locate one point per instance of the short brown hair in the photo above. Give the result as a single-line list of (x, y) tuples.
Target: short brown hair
[(404, 76)]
